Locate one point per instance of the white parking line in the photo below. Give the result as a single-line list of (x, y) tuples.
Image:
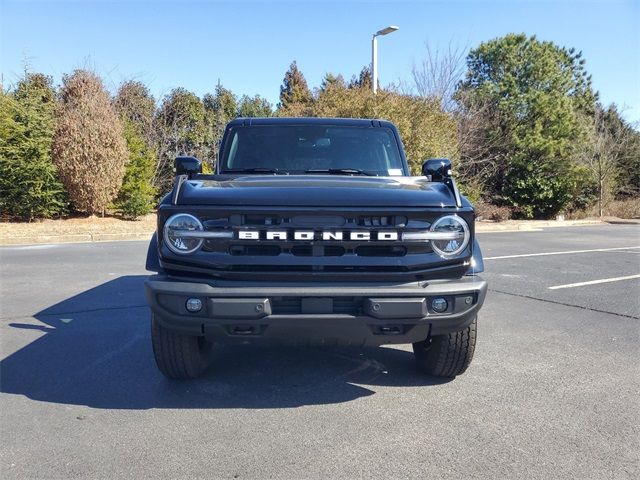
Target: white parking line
[(560, 253), (594, 282)]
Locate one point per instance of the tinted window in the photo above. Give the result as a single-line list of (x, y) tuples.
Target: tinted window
[(296, 149)]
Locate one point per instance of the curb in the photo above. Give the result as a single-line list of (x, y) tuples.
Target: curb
[(532, 226), (74, 238), (630, 221)]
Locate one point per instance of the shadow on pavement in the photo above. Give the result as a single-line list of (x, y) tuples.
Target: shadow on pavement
[(95, 350)]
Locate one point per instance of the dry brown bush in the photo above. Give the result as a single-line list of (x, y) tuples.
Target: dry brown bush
[(629, 208), (488, 211), (89, 148)]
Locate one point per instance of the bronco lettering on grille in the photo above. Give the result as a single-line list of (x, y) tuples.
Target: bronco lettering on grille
[(308, 235)]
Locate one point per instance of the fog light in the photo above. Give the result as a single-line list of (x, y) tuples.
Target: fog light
[(439, 305), (193, 305)]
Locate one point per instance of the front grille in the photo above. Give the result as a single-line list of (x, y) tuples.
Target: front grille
[(237, 258), (382, 221), (317, 251), (381, 251), (259, 250)]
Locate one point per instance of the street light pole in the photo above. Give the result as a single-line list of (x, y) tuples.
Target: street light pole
[(374, 55)]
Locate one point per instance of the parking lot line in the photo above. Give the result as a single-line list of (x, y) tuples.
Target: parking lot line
[(522, 255), (594, 282)]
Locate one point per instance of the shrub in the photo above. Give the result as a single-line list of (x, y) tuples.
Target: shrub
[(629, 208), (89, 148), (488, 211), (538, 192)]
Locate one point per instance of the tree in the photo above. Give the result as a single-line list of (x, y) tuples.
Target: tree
[(135, 104), (626, 150), (29, 183), (220, 109), (222, 106), (609, 148), (294, 91), (425, 129), (436, 78), (363, 80), (533, 94), (331, 81), (137, 194), (255, 106), (89, 148), (437, 75), (180, 129)]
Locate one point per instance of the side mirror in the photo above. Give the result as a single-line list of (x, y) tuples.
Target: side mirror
[(188, 166), (437, 169)]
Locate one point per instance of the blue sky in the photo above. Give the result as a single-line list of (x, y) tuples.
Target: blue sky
[(249, 45)]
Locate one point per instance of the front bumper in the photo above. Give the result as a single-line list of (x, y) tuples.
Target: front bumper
[(335, 313)]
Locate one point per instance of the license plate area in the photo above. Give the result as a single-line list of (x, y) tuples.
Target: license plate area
[(316, 305)]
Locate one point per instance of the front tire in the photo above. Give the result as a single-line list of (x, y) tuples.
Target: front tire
[(447, 355), (179, 356)]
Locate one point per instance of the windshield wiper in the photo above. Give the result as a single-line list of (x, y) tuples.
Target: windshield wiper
[(342, 171), (275, 171)]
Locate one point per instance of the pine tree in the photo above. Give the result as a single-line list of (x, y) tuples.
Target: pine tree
[(537, 92), (29, 183), (137, 195), (331, 81), (294, 89), (363, 80), (89, 148)]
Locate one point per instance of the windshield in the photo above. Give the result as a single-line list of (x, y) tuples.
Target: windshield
[(312, 149)]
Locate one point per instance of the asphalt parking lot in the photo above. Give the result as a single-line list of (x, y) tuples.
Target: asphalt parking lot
[(552, 391)]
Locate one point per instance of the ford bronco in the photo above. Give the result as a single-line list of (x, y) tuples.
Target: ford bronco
[(312, 231)]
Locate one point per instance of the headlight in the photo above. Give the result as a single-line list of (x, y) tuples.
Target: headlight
[(178, 233), (455, 236)]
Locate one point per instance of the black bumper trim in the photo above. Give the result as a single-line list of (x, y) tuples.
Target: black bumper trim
[(241, 311)]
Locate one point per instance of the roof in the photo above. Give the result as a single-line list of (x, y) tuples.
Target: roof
[(350, 122)]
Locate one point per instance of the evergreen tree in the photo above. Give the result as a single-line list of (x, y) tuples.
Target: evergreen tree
[(294, 90), (363, 80), (224, 103), (29, 183), (89, 148), (220, 107), (255, 106), (137, 195), (331, 81), (536, 93)]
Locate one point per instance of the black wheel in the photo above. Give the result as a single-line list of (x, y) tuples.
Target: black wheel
[(179, 356), (447, 355)]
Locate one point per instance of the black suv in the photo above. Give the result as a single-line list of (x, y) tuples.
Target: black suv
[(312, 230)]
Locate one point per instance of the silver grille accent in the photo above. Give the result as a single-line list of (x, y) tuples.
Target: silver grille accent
[(428, 235)]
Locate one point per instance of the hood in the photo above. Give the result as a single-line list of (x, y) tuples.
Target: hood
[(315, 190)]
